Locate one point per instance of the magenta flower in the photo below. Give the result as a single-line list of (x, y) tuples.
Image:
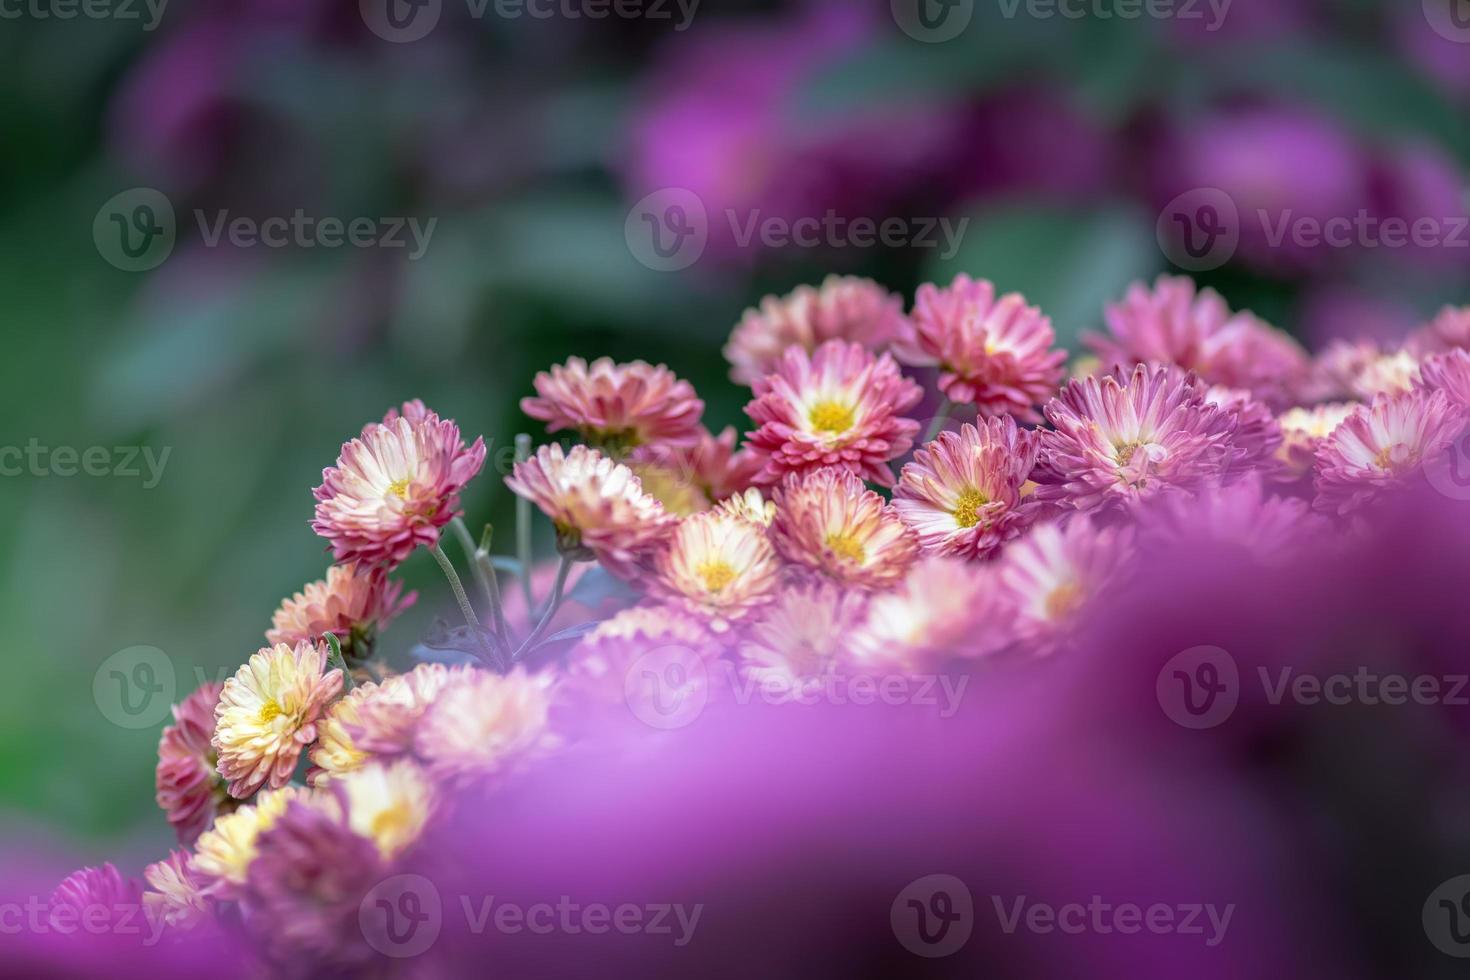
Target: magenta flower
[(843, 308), (837, 407), (829, 523), (963, 492), (802, 636), (1361, 369), (1449, 373), (994, 353), (189, 790), (617, 406), (943, 609), (1119, 440), (1239, 516), (1381, 447), (1448, 331), (1257, 432), (1049, 577), (1174, 324), (306, 887), (394, 488), (83, 893)]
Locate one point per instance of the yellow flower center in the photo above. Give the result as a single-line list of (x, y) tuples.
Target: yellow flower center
[(1125, 453), (831, 416), (715, 575), (1063, 599), (399, 488), (269, 712), (1391, 457), (392, 823), (967, 508), (847, 546)]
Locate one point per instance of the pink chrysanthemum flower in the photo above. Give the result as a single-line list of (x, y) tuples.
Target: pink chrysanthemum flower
[(994, 353), (600, 675), (96, 897), (1360, 370), (1302, 431), (963, 492), (1239, 515), (1449, 373), (386, 723), (376, 721), (189, 788), (1381, 446), (718, 567), (225, 852), (1257, 433), (175, 898), (689, 479), (267, 714), (598, 506), (802, 636), (1118, 441), (1174, 324), (1047, 579), (1448, 331), (415, 411), (616, 407), (829, 522), (844, 308), (305, 891), (394, 488), (837, 407), (944, 609), (354, 601), (486, 726)]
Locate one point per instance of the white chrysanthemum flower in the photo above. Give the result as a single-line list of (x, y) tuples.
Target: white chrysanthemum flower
[(267, 714), (388, 804)]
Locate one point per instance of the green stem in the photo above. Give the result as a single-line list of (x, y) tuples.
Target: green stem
[(937, 426), (552, 605), (460, 597), (484, 572), (523, 527)]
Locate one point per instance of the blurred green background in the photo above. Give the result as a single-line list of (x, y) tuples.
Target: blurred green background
[(528, 140)]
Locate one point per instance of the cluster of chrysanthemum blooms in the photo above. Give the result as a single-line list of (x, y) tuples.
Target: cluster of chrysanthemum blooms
[(774, 559)]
